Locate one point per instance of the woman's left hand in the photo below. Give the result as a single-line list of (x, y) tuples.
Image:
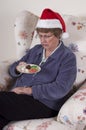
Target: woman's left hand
[(22, 90)]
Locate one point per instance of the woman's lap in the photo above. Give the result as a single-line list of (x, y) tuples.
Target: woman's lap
[(20, 106)]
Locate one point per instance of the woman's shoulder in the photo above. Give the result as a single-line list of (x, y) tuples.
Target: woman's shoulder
[(67, 49), (35, 50), (37, 46), (68, 52)]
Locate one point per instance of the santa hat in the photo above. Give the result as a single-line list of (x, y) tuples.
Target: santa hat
[(51, 19)]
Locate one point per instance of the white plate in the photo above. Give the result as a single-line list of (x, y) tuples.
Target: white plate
[(28, 68)]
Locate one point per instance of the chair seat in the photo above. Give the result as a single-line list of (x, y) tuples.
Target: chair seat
[(38, 124)]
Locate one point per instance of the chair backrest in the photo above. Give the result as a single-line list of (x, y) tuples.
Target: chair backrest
[(76, 27), (24, 27)]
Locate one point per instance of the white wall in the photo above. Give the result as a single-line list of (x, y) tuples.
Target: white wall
[(10, 8)]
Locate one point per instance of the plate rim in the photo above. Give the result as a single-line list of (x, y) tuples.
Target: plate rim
[(39, 68)]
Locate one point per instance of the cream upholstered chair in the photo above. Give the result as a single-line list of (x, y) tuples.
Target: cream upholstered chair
[(72, 115)]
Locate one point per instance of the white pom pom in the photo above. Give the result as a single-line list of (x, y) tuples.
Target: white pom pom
[(65, 35)]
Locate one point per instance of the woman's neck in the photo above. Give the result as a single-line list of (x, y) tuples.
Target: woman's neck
[(50, 51), (47, 53)]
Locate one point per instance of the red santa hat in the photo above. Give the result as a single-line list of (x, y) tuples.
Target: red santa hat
[(51, 19)]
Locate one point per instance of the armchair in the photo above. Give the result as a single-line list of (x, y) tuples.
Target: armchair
[(72, 115)]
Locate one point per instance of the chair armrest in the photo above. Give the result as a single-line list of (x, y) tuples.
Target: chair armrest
[(73, 111), (5, 78)]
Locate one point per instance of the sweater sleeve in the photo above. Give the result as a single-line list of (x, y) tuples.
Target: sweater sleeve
[(25, 58), (12, 70)]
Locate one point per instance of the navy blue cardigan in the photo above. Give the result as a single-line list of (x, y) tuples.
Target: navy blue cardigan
[(55, 79)]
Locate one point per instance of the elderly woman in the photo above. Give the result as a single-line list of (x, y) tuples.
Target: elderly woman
[(42, 94)]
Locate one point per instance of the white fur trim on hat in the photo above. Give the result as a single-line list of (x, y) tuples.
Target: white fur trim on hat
[(49, 23), (65, 35)]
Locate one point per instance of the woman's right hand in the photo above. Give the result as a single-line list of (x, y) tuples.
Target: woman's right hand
[(21, 64)]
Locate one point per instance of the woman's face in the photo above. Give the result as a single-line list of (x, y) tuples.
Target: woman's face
[(48, 40)]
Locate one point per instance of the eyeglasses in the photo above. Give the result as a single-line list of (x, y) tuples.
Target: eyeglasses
[(46, 37)]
